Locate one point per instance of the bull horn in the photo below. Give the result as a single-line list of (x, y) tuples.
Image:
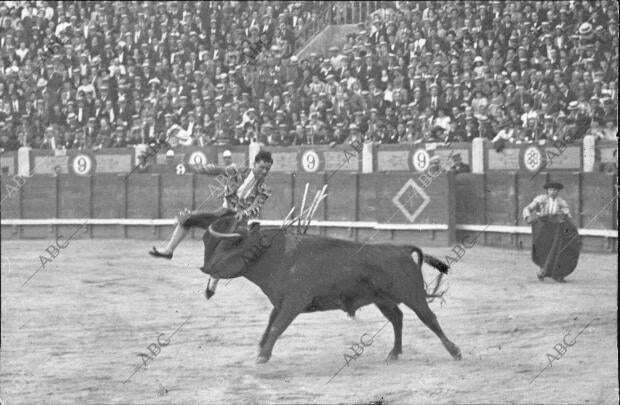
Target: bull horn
[(225, 236)]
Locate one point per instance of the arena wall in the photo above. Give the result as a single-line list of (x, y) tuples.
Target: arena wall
[(400, 207)]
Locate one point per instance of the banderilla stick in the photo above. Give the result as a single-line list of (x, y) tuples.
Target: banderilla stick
[(319, 197), (287, 218), (303, 203), (307, 216)]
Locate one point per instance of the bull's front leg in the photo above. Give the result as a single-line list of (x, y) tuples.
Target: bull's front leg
[(283, 318)]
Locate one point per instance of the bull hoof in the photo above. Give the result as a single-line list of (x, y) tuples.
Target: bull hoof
[(392, 356), (209, 293), (262, 359), (457, 354)]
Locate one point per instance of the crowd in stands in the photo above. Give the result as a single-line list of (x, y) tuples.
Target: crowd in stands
[(113, 74)]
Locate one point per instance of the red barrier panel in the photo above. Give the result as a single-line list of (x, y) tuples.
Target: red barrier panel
[(39, 200), (599, 201), (74, 196), (10, 189), (143, 202), (74, 201), (109, 193), (402, 198), (501, 202), (341, 202), (10, 195), (281, 200), (472, 198), (416, 158), (177, 193)]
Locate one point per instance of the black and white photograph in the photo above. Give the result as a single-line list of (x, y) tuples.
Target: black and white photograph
[(309, 202)]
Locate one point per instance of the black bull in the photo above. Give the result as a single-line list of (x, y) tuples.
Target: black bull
[(306, 273)]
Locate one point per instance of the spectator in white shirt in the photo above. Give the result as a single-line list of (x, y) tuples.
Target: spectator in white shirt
[(506, 132), (442, 120), (528, 114)]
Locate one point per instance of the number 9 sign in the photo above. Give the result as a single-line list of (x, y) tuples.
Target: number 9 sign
[(421, 160), (310, 161), (82, 165)]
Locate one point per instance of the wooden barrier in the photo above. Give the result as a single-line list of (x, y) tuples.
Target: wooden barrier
[(401, 206), (591, 198), (109, 200), (386, 203)]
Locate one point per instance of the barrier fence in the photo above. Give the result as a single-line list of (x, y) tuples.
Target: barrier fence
[(401, 207)]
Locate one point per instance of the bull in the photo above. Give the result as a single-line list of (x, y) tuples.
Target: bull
[(308, 273)]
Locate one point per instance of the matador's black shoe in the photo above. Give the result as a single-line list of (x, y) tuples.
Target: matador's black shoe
[(156, 253)]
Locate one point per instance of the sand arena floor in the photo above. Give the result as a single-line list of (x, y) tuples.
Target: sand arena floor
[(74, 332)]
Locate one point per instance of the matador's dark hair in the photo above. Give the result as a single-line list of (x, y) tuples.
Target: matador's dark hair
[(264, 156)]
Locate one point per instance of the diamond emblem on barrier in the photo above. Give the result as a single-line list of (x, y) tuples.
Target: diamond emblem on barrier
[(411, 200)]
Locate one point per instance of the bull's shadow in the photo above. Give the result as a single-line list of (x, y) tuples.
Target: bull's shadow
[(307, 273)]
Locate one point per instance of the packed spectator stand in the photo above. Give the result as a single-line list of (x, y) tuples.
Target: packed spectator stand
[(113, 74)]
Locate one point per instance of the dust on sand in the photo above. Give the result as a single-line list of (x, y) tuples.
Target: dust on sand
[(74, 332)]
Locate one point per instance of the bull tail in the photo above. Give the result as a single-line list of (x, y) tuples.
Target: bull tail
[(436, 263), (432, 292)]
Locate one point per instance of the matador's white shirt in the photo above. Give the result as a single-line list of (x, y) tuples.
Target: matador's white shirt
[(545, 205)]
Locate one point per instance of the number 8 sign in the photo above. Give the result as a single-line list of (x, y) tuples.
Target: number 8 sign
[(82, 164), (310, 161)]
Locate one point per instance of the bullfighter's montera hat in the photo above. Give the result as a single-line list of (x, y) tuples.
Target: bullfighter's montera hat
[(556, 185)]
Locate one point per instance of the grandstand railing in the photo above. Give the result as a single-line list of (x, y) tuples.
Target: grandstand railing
[(338, 12), (354, 12)]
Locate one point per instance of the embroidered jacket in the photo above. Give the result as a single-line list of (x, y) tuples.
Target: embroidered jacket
[(233, 178), (545, 205)]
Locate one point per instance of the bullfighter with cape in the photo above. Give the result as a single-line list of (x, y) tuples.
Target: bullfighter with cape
[(555, 239)]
